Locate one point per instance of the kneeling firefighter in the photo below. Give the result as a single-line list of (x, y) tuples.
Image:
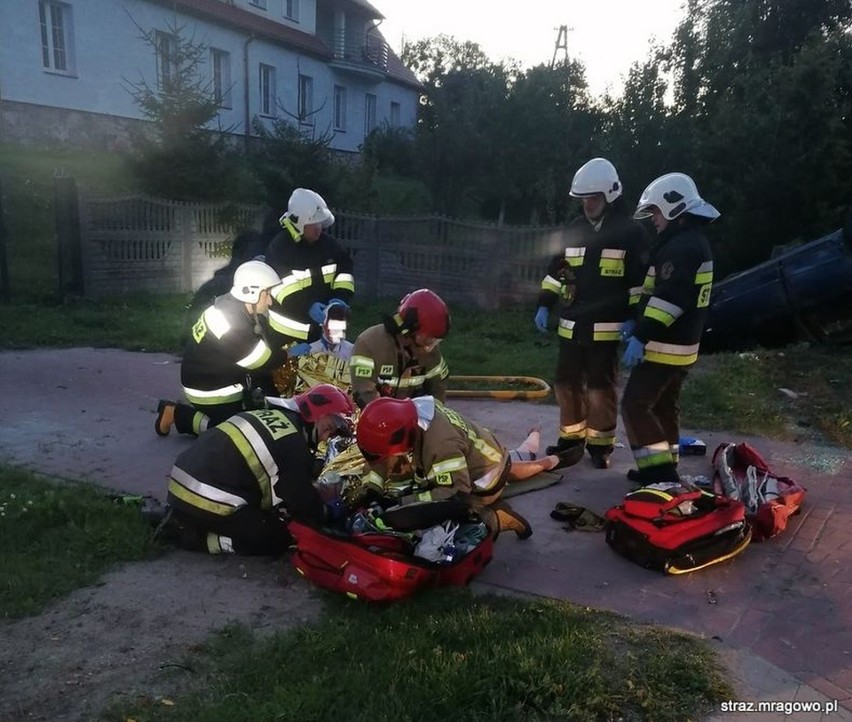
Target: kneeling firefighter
[(228, 490), (451, 457)]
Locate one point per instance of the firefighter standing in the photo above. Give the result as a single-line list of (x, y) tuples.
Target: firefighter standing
[(598, 280), (451, 457), (313, 267), (231, 352), (400, 357), (227, 491), (664, 344)]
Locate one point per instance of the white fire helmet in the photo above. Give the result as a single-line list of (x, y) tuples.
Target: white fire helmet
[(251, 278), (307, 207), (674, 194), (596, 176)]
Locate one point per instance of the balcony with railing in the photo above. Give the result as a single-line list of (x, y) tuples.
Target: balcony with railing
[(360, 53)]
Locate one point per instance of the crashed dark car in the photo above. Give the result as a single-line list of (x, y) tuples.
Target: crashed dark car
[(804, 294)]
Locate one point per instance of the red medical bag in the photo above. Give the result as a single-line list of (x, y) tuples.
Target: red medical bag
[(372, 569)]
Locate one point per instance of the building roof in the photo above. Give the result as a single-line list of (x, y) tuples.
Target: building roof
[(249, 22)]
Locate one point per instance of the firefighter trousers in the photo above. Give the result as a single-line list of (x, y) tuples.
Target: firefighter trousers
[(587, 394), (248, 531), (650, 408)]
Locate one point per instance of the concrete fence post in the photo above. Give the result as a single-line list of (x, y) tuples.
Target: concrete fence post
[(69, 247)]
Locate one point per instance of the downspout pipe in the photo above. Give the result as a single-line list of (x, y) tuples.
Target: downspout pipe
[(246, 93)]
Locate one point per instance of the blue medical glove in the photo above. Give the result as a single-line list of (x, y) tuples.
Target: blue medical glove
[(541, 318), (300, 349), (634, 353), (627, 329), (317, 312), (338, 302)]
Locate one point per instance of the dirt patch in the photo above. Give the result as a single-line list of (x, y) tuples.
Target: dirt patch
[(128, 636)]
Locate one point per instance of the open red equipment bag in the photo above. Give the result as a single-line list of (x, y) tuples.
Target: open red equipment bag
[(677, 529), (740, 472), (377, 568)]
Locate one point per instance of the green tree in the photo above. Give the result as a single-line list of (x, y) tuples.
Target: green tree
[(183, 158)]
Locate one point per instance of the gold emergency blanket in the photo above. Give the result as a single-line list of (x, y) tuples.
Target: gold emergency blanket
[(304, 372)]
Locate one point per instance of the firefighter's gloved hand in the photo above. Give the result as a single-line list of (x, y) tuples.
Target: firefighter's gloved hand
[(317, 312), (541, 319), (634, 353), (627, 329), (300, 349)]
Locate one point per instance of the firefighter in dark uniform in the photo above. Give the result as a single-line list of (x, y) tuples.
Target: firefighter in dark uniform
[(597, 281), (664, 344), (228, 490), (313, 267), (401, 357), (452, 457), (230, 356)]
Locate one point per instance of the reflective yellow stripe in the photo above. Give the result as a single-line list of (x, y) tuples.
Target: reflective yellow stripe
[(551, 284), (224, 395), (671, 354), (566, 328), (254, 463), (259, 355)]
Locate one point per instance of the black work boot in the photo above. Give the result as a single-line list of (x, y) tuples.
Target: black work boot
[(600, 457), (568, 457), (563, 445)]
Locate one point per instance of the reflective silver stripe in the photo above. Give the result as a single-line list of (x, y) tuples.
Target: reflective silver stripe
[(670, 308), (344, 281), (292, 283), (457, 463), (489, 478), (551, 284), (262, 452), (603, 327), (328, 271), (288, 326), (259, 355), (613, 253), (217, 322), (439, 370), (225, 394), (575, 256), (651, 450), (572, 428), (207, 491), (673, 349), (362, 362), (566, 328)]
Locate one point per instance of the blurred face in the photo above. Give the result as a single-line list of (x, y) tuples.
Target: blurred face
[(659, 221), (427, 343), (312, 232), (593, 206), (332, 425), (264, 302)]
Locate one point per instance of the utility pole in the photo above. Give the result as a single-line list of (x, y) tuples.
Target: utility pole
[(561, 44)]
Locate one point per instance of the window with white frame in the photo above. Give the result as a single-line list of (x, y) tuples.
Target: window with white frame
[(220, 64), (306, 99), (267, 90), (395, 115), (258, 4), (339, 107), (57, 37), (369, 113), (291, 10), (167, 64)]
